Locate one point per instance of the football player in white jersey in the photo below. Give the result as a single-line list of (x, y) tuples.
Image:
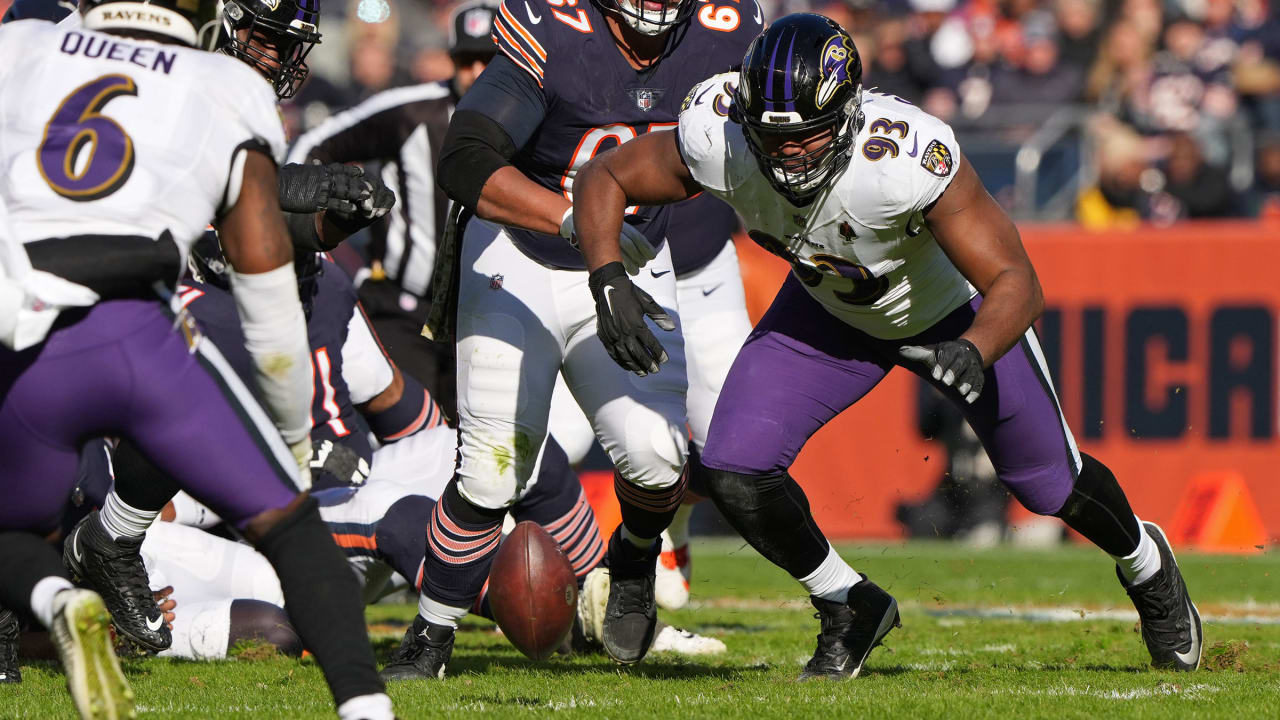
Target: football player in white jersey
[(116, 133), (899, 257)]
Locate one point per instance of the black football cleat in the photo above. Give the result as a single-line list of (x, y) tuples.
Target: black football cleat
[(1170, 621), (114, 569), (850, 631), (423, 653), (631, 615), (9, 670)]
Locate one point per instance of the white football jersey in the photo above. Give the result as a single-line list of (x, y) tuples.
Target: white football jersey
[(862, 248), (106, 134)]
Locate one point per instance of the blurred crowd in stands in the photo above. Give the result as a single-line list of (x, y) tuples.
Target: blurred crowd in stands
[(1126, 110)]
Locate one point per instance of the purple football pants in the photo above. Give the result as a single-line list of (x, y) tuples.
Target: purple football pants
[(802, 366), (124, 370)]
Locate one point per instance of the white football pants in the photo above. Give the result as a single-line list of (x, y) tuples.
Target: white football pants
[(713, 310), (520, 325)]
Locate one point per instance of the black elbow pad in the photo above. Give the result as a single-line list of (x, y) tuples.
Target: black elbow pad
[(474, 148)]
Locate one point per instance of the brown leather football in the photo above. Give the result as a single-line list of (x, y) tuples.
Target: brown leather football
[(532, 591)]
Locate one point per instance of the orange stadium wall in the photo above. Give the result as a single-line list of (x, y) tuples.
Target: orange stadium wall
[(1163, 346)]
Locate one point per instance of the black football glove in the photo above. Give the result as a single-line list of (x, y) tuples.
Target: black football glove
[(620, 311), (336, 465), (955, 363), (312, 187), (372, 199)]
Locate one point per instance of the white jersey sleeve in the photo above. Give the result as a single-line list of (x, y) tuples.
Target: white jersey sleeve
[(712, 146), (365, 368)]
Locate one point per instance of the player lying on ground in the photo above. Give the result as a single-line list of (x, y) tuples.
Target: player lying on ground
[(228, 593), (899, 257), (141, 176)]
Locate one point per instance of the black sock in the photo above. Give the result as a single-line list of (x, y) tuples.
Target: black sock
[(139, 482), (323, 600), (771, 513), (451, 576), (558, 503), (646, 513), (1098, 509), (26, 560)]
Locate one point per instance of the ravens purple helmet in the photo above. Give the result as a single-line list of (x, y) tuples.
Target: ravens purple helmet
[(273, 36), (801, 79), (649, 17)]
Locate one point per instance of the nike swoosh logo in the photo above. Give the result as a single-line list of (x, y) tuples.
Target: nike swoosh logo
[(759, 15), (657, 274), (535, 19), (708, 292), (154, 626), (1192, 656), (608, 301), (915, 145), (75, 548)]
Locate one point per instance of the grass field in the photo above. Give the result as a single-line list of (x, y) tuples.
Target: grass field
[(993, 633)]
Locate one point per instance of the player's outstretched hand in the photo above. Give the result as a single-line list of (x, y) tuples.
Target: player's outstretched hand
[(621, 308), (312, 187), (956, 363), (635, 247)]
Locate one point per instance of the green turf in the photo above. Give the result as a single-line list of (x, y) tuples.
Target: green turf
[(944, 662)]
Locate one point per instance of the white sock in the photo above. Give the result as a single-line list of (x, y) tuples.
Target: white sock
[(367, 707), (832, 580), (123, 520), (642, 543), (42, 598), (1142, 563), (438, 613), (678, 530)]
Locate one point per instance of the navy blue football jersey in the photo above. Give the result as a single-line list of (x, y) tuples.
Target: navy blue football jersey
[(333, 415), (594, 100)]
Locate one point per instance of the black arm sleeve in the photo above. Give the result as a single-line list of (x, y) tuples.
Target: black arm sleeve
[(494, 120)]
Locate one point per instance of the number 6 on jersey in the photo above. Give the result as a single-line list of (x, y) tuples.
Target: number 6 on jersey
[(77, 126)]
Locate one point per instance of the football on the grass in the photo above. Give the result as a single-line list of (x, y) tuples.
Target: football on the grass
[(532, 591)]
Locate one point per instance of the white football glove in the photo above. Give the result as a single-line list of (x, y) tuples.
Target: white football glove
[(636, 250)]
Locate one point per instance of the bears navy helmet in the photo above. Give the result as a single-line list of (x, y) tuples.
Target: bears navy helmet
[(800, 78), (273, 36)]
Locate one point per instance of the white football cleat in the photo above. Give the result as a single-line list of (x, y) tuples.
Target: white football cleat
[(671, 583), (684, 642), (82, 634), (592, 600)]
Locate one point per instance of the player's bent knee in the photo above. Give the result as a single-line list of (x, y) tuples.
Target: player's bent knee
[(1044, 491), (654, 450), (740, 492), (255, 621)]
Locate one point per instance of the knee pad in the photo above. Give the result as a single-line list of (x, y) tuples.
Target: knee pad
[(741, 492), (496, 467), (654, 450)]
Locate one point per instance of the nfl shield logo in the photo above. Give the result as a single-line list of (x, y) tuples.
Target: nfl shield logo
[(476, 23), (645, 98), (495, 282)]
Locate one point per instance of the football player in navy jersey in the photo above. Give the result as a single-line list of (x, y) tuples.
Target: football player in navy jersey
[(573, 77)]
